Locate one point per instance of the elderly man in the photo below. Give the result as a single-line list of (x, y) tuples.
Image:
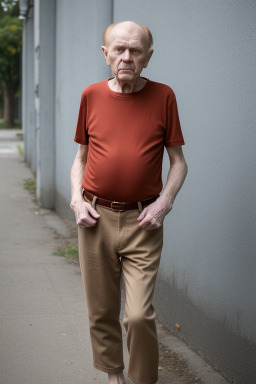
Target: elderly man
[(123, 125)]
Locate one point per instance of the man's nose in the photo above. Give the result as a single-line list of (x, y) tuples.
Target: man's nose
[(126, 55)]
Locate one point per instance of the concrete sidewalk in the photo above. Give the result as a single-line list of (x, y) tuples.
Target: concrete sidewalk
[(44, 322)]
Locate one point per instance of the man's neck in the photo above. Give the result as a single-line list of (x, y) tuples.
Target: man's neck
[(125, 86)]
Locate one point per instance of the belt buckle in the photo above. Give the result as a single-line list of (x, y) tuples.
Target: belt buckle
[(118, 206)]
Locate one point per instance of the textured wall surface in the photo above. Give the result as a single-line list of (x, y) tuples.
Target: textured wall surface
[(79, 62), (45, 101), (28, 101)]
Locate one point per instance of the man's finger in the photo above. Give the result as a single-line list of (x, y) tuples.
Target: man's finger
[(142, 215), (87, 221), (93, 212), (147, 217), (148, 226), (145, 222)]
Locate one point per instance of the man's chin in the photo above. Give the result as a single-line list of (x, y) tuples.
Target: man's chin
[(126, 75)]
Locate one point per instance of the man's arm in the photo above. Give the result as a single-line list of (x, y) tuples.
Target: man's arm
[(153, 215), (85, 214)]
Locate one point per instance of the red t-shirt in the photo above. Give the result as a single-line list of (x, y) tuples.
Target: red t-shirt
[(126, 134)]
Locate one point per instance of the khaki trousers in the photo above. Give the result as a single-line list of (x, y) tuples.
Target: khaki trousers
[(116, 245)]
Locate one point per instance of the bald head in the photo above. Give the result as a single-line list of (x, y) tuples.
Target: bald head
[(127, 51), (130, 27)]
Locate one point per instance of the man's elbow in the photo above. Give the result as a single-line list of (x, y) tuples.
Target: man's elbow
[(185, 168)]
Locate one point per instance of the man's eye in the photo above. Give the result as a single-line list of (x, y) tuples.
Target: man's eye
[(119, 49)]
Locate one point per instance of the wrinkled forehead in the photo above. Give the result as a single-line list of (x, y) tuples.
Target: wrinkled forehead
[(127, 34)]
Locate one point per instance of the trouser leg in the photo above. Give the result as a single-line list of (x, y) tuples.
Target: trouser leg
[(140, 254), (101, 272)]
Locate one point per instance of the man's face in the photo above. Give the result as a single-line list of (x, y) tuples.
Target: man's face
[(126, 51)]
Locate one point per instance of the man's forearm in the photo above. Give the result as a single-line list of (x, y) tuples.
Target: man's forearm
[(175, 179), (77, 173), (86, 215)]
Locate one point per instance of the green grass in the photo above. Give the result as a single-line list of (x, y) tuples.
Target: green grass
[(69, 253), (17, 125), (20, 150), (30, 184), (19, 135)]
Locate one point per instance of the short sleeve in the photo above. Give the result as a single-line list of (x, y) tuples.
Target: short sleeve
[(81, 135), (173, 132)]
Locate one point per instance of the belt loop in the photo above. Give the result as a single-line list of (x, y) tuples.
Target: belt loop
[(94, 201), (140, 206)]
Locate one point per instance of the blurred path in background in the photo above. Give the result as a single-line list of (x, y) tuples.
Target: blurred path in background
[(44, 331), (11, 142)]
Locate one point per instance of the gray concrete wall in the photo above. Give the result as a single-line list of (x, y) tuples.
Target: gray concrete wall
[(204, 50), (44, 32), (79, 62), (28, 102)]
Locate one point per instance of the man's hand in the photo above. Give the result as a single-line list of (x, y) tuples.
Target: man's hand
[(153, 215), (86, 215)]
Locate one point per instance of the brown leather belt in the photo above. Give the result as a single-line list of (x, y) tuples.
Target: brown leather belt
[(118, 206)]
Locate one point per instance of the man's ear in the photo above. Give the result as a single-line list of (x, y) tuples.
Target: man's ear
[(149, 54), (105, 52)]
